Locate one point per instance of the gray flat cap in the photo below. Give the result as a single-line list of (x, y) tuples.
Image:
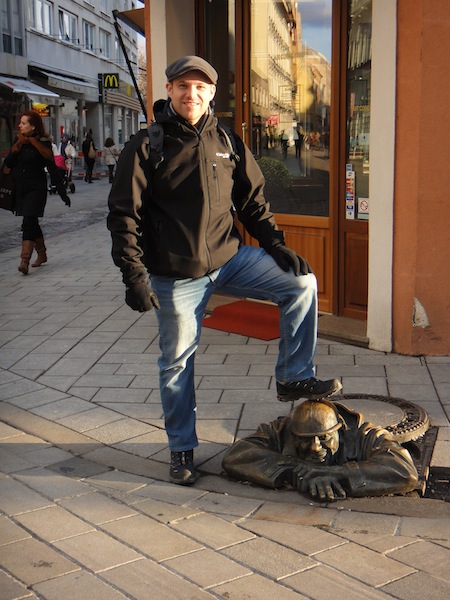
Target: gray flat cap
[(191, 63)]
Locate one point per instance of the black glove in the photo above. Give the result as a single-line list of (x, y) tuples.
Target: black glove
[(66, 200), (139, 295), (287, 258)]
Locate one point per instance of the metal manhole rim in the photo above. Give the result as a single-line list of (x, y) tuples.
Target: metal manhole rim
[(414, 423)]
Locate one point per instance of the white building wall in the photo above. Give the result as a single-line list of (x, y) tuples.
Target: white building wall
[(381, 182)]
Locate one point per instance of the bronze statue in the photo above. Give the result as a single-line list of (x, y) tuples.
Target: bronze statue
[(325, 449)]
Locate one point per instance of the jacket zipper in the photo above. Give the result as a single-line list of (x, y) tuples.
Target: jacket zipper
[(201, 149)]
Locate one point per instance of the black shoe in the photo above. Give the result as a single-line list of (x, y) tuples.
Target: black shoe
[(312, 389), (182, 470)]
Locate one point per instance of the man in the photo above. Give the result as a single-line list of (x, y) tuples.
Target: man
[(325, 449), (175, 220)]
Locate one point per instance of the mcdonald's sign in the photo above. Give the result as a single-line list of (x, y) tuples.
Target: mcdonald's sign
[(110, 81)]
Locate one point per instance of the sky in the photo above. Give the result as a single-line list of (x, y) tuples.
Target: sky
[(316, 19)]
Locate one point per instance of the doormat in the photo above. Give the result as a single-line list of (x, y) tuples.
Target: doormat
[(253, 319)]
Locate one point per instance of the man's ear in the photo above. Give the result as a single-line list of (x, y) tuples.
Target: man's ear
[(169, 89)]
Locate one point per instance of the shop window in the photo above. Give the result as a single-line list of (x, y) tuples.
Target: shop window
[(358, 109)]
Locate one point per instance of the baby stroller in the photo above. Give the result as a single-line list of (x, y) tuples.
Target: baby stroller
[(65, 167)]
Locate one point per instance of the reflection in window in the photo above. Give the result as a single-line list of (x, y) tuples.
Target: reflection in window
[(291, 98), (358, 109)]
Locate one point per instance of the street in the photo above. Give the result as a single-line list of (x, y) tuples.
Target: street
[(89, 204)]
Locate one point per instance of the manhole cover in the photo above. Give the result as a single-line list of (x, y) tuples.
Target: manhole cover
[(405, 420)]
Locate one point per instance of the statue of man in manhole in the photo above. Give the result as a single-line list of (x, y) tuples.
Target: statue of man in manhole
[(324, 449)]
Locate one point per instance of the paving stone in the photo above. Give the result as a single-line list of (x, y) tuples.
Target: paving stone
[(167, 492), (365, 523), (12, 589), (137, 578), (255, 587), (234, 383), (32, 561), (212, 531), (78, 586), (307, 540), (16, 498), (62, 408), (274, 560), (118, 480), (97, 508), (18, 387), (425, 556), (150, 537), (11, 532), (224, 504), (322, 582), (89, 419), (207, 568), (51, 484), (293, 513), (164, 512), (97, 551), (119, 430), (365, 565), (419, 586), (11, 463), (53, 523)]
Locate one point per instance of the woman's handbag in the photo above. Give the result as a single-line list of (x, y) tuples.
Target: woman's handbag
[(7, 191), (91, 151)]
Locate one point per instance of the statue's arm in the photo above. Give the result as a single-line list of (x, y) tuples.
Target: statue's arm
[(252, 460)]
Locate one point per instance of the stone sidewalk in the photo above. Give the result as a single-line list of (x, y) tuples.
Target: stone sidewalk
[(86, 507)]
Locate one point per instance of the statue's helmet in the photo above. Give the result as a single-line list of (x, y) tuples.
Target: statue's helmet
[(315, 418)]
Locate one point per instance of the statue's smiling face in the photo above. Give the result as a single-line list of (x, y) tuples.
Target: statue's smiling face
[(315, 428)]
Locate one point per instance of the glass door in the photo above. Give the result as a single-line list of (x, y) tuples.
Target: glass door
[(290, 87)]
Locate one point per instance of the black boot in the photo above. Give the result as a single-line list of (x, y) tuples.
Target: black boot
[(182, 470)]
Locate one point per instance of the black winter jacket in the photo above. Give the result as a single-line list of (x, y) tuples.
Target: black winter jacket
[(31, 179), (183, 225)]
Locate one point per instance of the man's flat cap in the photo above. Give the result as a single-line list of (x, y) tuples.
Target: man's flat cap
[(191, 63)]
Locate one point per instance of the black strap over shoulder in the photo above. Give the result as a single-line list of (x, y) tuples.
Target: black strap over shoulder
[(156, 141)]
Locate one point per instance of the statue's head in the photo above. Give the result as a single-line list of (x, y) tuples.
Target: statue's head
[(315, 427)]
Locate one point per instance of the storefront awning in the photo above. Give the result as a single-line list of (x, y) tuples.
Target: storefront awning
[(36, 93), (133, 18), (77, 86)]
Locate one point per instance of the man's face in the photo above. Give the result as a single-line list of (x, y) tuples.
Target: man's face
[(318, 449), (191, 94), (316, 432)]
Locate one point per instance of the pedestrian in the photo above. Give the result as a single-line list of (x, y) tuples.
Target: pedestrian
[(89, 152), (30, 155), (176, 222), (110, 153)]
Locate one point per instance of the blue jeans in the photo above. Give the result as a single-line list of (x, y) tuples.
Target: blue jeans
[(251, 273)]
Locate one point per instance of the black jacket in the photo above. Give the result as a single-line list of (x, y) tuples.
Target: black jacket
[(31, 179), (183, 224)]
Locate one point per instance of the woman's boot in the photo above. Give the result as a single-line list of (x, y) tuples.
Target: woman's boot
[(27, 251), (41, 251)]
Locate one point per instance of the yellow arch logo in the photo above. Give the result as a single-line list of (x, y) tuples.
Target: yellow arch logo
[(111, 81)]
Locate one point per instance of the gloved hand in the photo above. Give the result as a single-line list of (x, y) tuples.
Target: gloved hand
[(66, 200), (139, 295), (287, 258)]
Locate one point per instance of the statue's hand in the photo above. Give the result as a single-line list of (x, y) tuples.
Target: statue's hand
[(321, 481)]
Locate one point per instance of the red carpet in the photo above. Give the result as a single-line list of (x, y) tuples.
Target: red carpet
[(253, 319)]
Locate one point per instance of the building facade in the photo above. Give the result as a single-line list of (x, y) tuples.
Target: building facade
[(64, 59), (366, 199)]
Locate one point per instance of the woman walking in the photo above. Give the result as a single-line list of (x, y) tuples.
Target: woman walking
[(29, 156), (110, 152), (89, 152)]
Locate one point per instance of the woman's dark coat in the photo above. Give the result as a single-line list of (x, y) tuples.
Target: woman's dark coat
[(31, 179)]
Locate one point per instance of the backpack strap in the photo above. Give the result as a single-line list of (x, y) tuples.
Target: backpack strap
[(231, 142), (156, 141)]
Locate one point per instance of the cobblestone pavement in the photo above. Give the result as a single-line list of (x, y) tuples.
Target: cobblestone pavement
[(86, 509)]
